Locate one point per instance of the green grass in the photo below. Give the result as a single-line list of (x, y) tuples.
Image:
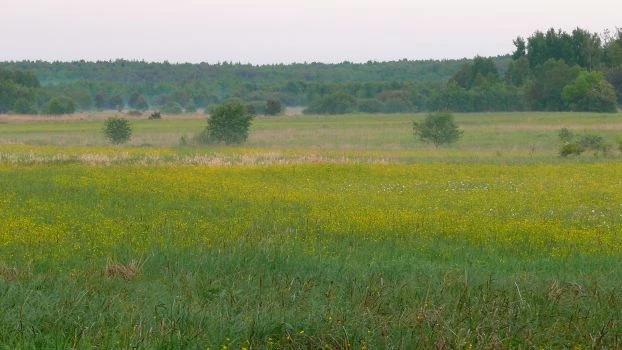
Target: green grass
[(483, 131), (313, 239)]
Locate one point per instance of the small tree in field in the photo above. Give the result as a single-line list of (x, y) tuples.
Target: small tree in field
[(273, 106), (228, 123), (156, 115), (117, 130), (437, 128)]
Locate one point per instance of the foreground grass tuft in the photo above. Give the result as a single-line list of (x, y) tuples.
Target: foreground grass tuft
[(126, 272), (9, 273)]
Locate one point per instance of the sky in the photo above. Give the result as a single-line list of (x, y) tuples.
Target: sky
[(279, 31)]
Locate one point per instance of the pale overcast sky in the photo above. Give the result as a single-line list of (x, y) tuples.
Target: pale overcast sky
[(279, 31)]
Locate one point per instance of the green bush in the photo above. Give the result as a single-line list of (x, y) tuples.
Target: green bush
[(117, 130), (577, 144), (438, 128), (571, 148), (228, 123), (273, 106), (590, 92), (155, 116)]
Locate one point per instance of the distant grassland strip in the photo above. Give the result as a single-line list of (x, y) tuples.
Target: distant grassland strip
[(528, 132)]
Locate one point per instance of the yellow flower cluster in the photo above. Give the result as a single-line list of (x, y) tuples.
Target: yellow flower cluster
[(53, 213)]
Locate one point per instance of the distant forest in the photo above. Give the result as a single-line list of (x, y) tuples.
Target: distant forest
[(552, 71)]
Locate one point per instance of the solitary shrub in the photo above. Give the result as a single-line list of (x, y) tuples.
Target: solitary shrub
[(117, 130), (577, 144), (438, 128), (273, 106), (571, 148), (569, 145), (155, 116), (228, 123)]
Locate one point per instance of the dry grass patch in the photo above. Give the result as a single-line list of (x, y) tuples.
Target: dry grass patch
[(9, 273), (42, 117), (127, 272)]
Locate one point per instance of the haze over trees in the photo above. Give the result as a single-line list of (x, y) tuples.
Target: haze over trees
[(120, 84), (59, 105), (549, 71), (18, 91)]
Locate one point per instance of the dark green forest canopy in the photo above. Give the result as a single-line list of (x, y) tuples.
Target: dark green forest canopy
[(120, 83), (547, 71), (17, 90), (115, 84), (137, 72)]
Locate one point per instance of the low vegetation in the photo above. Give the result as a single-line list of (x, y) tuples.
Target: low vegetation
[(577, 144), (156, 115), (228, 123), (117, 130), (437, 128), (310, 255), (320, 232)]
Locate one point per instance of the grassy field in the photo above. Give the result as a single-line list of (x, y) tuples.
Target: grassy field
[(493, 131), (321, 232)]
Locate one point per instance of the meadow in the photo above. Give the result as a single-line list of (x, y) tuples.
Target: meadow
[(331, 232)]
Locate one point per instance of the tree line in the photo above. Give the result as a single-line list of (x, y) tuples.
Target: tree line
[(184, 87), (552, 70)]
